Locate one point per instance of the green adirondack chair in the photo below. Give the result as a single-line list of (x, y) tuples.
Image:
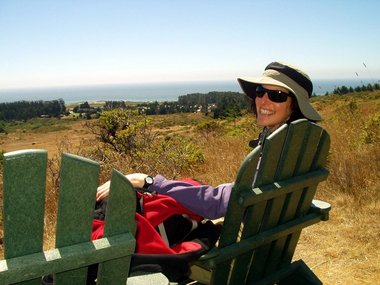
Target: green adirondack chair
[(23, 217), (266, 214)]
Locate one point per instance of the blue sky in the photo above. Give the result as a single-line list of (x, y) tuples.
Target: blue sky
[(46, 43)]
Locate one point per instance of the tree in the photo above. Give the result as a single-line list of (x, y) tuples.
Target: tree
[(125, 131), (84, 105)]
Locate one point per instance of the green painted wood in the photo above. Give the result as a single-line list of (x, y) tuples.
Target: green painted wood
[(297, 151), (320, 159), (78, 184), (235, 213), (291, 149), (291, 138), (270, 190), (242, 187), (120, 218), (66, 258), (24, 202), (319, 142), (265, 173), (273, 146), (309, 148), (223, 254), (306, 137), (253, 218), (121, 206), (275, 211), (24, 199), (271, 156), (24, 190)]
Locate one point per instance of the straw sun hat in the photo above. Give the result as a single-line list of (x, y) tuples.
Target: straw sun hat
[(289, 77)]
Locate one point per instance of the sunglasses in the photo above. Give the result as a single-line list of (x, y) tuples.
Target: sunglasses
[(277, 96)]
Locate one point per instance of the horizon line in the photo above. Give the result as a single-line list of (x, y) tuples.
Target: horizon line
[(100, 85)]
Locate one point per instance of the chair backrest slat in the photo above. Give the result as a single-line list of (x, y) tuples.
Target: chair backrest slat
[(24, 200), (270, 157), (78, 182), (120, 218), (24, 203)]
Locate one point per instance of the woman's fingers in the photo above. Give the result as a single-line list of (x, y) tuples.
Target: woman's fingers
[(103, 191)]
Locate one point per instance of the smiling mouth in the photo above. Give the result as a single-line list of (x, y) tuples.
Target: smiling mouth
[(266, 112)]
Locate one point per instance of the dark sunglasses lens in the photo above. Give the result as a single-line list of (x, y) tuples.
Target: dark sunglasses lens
[(273, 95), (277, 96), (260, 91)]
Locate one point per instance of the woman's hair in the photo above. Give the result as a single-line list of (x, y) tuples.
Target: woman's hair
[(296, 111), (295, 115)]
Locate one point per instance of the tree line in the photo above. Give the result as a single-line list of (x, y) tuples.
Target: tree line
[(24, 110), (341, 90), (221, 104)]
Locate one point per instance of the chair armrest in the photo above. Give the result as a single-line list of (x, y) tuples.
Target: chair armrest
[(321, 207)]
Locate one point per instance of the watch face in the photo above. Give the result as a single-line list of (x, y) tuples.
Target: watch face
[(149, 180)]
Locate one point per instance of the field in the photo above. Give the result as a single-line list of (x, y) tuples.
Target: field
[(341, 251)]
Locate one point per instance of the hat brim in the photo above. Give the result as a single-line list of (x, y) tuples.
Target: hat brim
[(248, 85)]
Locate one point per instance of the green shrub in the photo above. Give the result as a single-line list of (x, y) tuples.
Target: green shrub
[(126, 136)]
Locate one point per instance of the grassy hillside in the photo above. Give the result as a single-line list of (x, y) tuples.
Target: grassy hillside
[(343, 250)]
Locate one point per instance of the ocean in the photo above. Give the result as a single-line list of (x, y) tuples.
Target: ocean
[(149, 92)]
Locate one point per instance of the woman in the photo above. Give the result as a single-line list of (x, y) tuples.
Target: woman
[(281, 95)]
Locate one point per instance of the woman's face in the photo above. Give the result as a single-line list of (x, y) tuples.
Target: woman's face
[(271, 114)]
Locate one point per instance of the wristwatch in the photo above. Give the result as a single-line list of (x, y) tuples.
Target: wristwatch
[(148, 181)]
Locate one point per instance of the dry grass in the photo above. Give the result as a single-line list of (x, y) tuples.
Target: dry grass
[(344, 249)]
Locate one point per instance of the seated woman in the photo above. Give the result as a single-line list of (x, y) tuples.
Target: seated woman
[(280, 96)]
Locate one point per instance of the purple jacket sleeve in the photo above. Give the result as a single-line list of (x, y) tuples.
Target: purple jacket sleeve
[(206, 201)]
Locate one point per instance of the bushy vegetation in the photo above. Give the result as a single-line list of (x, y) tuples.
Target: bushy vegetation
[(127, 136)]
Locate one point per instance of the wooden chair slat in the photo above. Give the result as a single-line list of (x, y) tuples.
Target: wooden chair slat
[(236, 211), (120, 217), (309, 148), (291, 150), (78, 182), (271, 156), (24, 202)]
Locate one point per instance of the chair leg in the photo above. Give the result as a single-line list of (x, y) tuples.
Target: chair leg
[(302, 275)]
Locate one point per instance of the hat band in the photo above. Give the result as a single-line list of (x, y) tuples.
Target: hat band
[(300, 79)]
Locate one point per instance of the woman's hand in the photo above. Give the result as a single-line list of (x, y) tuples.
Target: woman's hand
[(137, 180), (103, 191)]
